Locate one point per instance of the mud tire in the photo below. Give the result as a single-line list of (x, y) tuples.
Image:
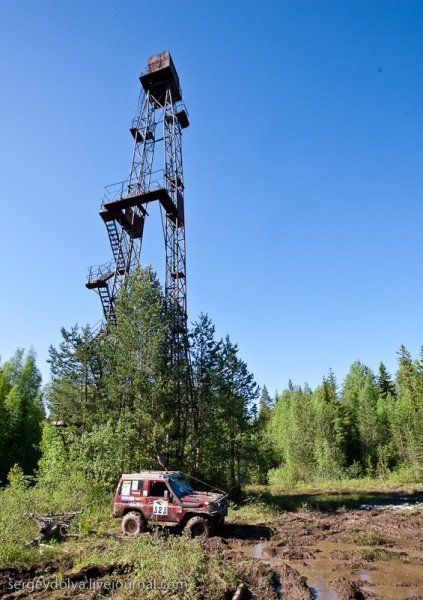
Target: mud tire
[(219, 524), (133, 523), (198, 527)]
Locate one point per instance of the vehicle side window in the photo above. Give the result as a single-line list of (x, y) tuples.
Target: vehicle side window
[(131, 487), (137, 487), (158, 488)]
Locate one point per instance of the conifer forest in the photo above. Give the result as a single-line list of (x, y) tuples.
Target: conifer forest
[(114, 395)]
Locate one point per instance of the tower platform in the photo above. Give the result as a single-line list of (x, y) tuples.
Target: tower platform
[(159, 193)]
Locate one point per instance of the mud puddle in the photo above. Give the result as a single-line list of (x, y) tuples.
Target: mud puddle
[(342, 556), (391, 580), (315, 573)]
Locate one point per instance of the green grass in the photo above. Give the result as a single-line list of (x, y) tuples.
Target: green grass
[(264, 504), (156, 557), (364, 537), (365, 484), (254, 511), (375, 554), (328, 495)]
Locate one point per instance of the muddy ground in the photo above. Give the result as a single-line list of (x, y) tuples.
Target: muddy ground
[(356, 554), (329, 554)]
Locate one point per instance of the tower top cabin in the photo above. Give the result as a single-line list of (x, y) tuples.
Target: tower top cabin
[(161, 76)]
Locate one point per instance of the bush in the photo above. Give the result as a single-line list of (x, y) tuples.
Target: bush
[(15, 527), (70, 492)]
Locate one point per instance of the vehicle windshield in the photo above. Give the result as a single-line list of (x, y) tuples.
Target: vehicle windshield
[(181, 486)]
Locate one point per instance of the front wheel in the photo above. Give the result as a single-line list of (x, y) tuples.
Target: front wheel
[(219, 523), (133, 523), (198, 527)]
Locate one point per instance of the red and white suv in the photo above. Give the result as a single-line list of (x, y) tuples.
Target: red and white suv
[(167, 497)]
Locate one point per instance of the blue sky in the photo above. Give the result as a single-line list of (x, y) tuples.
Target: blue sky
[(302, 168)]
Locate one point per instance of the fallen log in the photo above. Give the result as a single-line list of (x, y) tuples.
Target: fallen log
[(53, 526)]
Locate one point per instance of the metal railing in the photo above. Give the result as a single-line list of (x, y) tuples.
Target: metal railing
[(126, 189), (98, 329), (98, 272), (180, 106)]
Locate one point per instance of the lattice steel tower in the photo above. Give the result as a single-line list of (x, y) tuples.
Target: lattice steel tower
[(155, 174)]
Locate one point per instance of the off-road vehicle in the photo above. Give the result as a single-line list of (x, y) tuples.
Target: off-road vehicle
[(167, 497)]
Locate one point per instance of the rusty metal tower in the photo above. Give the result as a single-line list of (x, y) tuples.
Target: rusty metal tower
[(156, 130), (156, 174)]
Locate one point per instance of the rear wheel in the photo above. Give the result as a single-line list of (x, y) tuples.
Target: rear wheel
[(133, 523), (198, 527)]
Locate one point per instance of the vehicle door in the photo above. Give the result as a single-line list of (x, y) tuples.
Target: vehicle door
[(161, 504)]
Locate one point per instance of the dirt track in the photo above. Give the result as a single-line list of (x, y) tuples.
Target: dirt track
[(375, 554)]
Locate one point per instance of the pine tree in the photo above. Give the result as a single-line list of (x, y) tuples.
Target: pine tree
[(370, 435), (385, 384), (141, 381), (236, 392), (204, 416), (407, 370), (73, 394), (265, 407)]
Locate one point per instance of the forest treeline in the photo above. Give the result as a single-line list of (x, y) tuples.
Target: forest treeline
[(370, 426), (21, 413), (115, 399)]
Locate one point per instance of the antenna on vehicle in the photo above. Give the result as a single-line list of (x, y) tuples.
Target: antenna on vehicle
[(161, 463)]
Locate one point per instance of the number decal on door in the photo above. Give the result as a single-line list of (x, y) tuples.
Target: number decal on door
[(160, 507)]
